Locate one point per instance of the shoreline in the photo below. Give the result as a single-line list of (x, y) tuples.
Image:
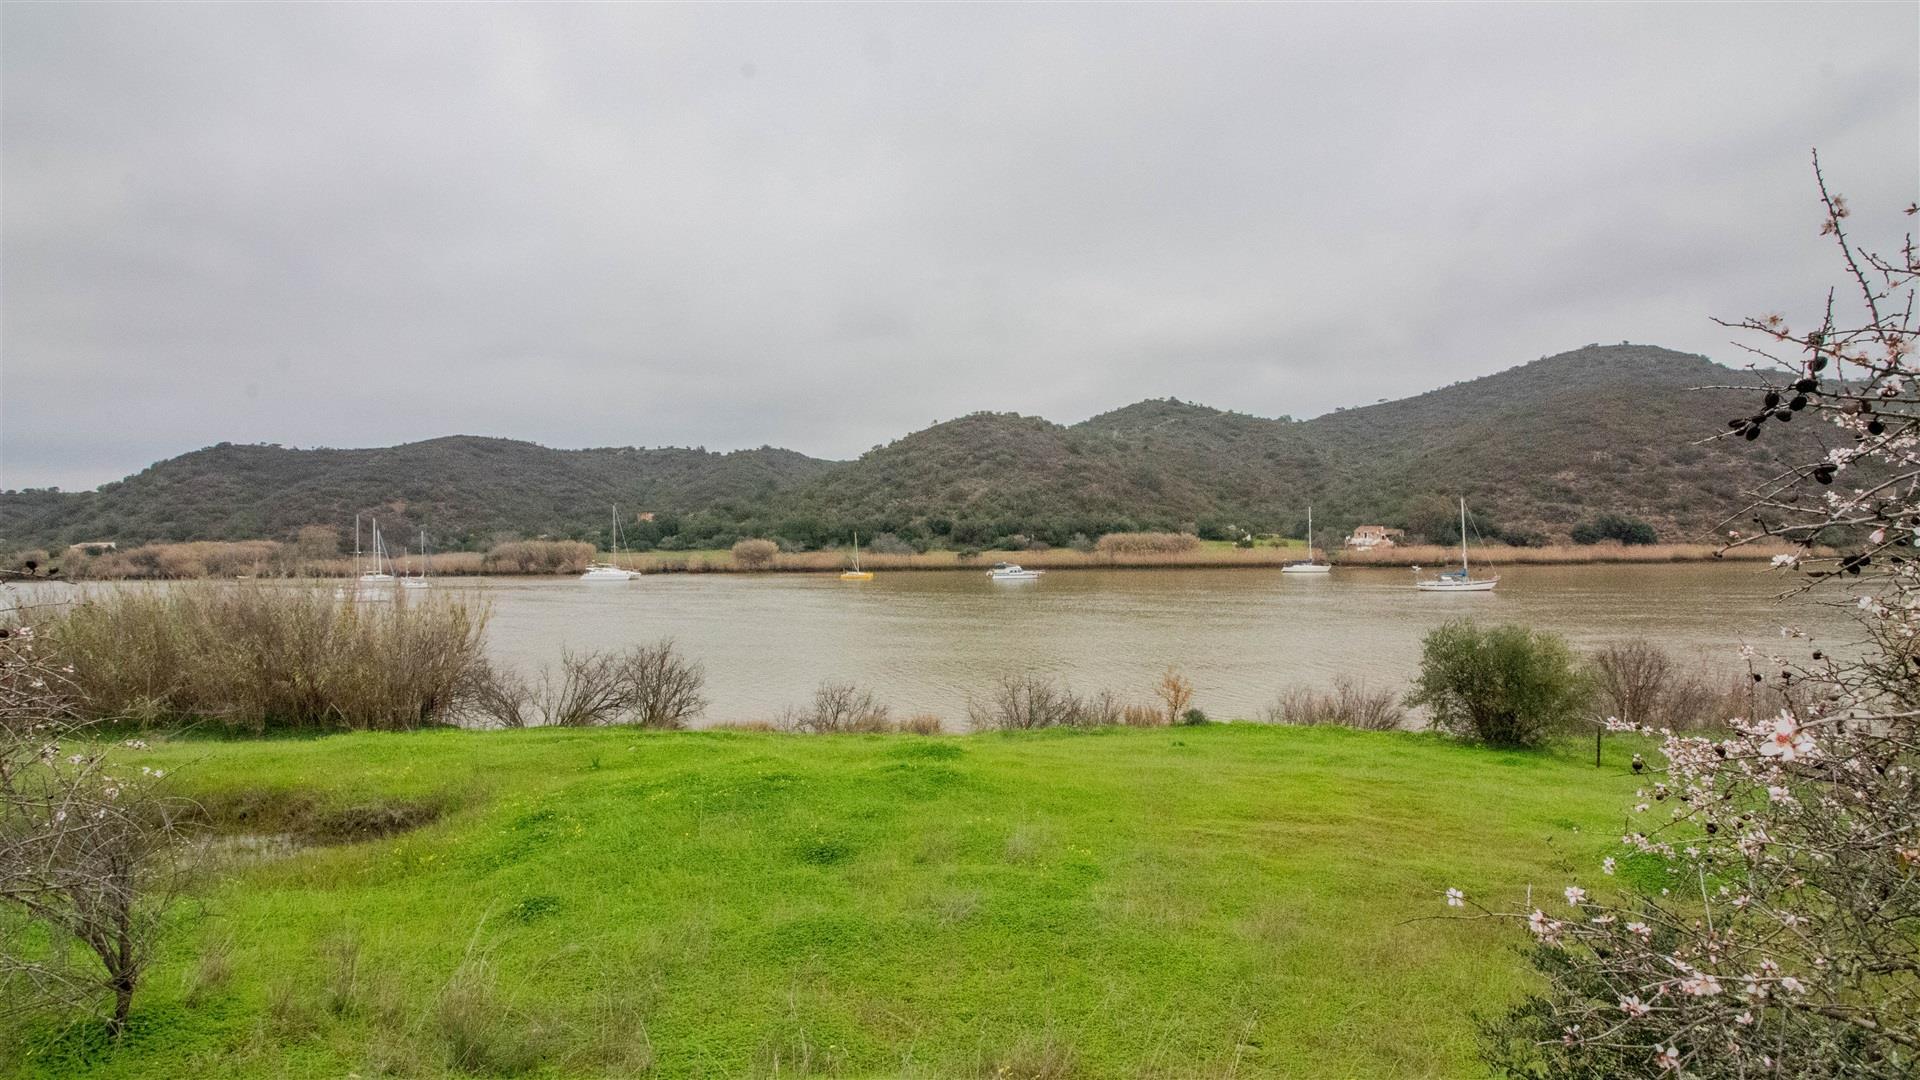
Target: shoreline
[(476, 564)]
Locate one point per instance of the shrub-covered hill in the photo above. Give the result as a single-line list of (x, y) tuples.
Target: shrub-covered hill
[(1535, 449), (468, 489)]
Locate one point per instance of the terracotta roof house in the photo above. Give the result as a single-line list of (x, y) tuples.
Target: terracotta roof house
[(1368, 537)]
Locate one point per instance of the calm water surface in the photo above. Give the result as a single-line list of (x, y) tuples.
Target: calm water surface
[(922, 641)]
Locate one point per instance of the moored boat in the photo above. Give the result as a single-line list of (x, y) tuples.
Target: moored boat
[(610, 571), (1461, 580), (1006, 571), (1308, 565)]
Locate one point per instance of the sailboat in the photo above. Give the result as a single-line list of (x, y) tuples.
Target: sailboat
[(1461, 580), (611, 571), (856, 574), (374, 581), (1308, 565), (419, 581)]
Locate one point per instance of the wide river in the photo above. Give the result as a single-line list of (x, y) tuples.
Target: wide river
[(923, 640)]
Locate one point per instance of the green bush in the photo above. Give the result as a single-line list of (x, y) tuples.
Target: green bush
[(1506, 686), (1615, 527)]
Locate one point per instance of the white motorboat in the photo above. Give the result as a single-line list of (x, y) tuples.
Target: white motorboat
[(1461, 580), (1308, 565), (1006, 571), (611, 571)]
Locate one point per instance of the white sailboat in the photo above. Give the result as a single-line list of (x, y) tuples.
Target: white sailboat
[(1308, 565), (1461, 580), (419, 581), (611, 571), (374, 580)]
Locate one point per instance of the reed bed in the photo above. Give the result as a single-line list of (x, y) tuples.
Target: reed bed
[(262, 659)]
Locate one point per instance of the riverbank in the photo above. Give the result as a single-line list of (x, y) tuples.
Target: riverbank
[(1221, 900), (264, 559)]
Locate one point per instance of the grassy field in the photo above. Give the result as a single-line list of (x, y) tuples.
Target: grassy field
[(1230, 900)]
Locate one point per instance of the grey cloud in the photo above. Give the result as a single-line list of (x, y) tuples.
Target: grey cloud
[(821, 227)]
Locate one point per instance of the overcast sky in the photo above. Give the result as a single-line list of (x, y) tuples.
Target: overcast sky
[(823, 227)]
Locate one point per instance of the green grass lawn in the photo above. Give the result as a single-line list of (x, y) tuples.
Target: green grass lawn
[(1230, 900)]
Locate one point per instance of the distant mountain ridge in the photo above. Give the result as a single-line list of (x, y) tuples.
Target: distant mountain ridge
[(1536, 449)]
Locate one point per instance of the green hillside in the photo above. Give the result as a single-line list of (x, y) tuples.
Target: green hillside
[(1537, 449)]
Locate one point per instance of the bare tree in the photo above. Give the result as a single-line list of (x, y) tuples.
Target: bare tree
[(88, 849)]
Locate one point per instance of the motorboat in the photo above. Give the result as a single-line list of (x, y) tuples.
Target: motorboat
[(1006, 571)]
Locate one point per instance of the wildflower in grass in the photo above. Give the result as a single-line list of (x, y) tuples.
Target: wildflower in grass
[(1456, 898), (1606, 865), (1576, 895)]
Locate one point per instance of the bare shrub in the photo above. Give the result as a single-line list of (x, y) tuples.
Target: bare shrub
[(1348, 704), (840, 709), (922, 724), (266, 657), (1175, 694), (539, 557), (650, 686), (1147, 543), (1632, 677), (1023, 702), (755, 554)]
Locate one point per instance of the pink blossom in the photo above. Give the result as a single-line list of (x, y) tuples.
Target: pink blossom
[(1788, 742), (1606, 865), (1667, 1057), (1576, 895), (1632, 1006)]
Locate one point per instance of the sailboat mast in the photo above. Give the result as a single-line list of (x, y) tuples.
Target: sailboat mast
[(856, 551), (1309, 532), (1463, 533)]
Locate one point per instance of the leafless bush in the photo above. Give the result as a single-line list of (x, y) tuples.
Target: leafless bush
[(921, 724), (88, 849), (1348, 704), (265, 657), (1146, 543), (755, 554), (838, 709), (1023, 702), (1632, 677), (650, 686), (1175, 694)]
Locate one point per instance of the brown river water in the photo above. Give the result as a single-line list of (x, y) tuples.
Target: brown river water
[(922, 641)]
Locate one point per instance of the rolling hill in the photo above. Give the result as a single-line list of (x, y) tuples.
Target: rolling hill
[(1536, 449)]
